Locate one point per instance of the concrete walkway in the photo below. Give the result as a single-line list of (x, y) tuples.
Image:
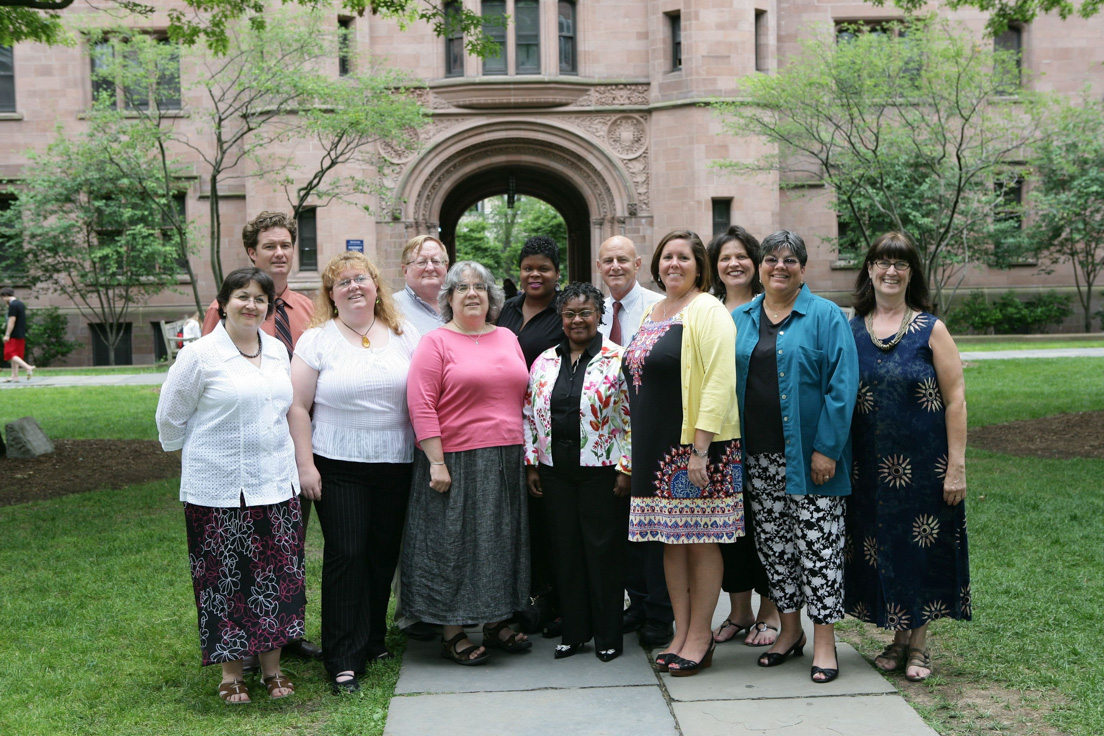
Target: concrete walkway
[(1035, 353), (533, 694), (42, 380)]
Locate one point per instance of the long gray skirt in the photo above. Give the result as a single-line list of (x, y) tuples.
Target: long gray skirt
[(465, 552)]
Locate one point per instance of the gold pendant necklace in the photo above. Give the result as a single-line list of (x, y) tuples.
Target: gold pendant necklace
[(364, 341)]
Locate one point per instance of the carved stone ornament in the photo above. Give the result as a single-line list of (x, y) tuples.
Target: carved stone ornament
[(627, 136), (615, 95), (401, 150)]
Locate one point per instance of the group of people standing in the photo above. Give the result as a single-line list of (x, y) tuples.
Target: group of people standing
[(565, 444)]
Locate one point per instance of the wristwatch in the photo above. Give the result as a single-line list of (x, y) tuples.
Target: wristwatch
[(703, 454)]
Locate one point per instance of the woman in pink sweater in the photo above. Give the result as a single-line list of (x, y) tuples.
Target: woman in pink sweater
[(467, 542)]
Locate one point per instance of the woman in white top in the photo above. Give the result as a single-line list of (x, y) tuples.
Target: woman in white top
[(225, 403), (354, 454)]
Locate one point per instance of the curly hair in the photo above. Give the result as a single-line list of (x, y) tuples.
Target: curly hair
[(540, 245), (584, 289), (737, 234), (251, 233), (352, 260)]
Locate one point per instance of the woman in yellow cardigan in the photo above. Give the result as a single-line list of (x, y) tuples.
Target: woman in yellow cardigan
[(686, 481)]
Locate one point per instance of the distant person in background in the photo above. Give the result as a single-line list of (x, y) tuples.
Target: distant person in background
[(225, 403), (15, 335), (908, 560), (269, 240), (192, 329), (509, 288), (424, 265), (649, 610)]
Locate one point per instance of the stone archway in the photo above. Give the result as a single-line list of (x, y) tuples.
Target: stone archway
[(533, 182), (586, 183)]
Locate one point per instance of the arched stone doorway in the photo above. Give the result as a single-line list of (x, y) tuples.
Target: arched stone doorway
[(588, 185), (527, 181)]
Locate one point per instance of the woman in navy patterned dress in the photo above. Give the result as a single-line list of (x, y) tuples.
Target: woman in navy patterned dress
[(907, 561)]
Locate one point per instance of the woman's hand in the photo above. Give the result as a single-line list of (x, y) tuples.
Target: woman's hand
[(954, 486), (622, 486), (532, 479), (698, 471), (439, 478), (310, 482), (824, 468)]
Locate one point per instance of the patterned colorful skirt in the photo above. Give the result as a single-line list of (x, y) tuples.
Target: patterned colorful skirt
[(248, 577), (678, 512)]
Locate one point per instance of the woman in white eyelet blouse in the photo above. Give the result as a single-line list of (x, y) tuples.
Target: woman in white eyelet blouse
[(225, 404)]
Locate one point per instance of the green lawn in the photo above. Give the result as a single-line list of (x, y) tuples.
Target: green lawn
[(98, 621)]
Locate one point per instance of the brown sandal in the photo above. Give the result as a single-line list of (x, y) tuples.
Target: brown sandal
[(511, 644), (229, 689), (918, 658), (896, 653), (278, 682), (463, 656)]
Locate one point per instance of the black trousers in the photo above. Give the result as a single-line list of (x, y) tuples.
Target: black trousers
[(590, 525), (646, 582), (361, 513)]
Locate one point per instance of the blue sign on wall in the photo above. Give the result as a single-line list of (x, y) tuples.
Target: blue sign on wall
[(357, 245)]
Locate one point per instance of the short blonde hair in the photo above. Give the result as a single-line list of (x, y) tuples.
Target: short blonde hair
[(325, 309), (414, 245)]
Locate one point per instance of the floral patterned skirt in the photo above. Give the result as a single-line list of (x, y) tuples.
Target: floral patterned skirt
[(678, 512), (248, 577)]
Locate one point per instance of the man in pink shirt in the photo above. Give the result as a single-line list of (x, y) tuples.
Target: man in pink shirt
[(269, 240)]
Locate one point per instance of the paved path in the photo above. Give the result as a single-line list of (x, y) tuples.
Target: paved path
[(533, 694), (1038, 353), (123, 379)]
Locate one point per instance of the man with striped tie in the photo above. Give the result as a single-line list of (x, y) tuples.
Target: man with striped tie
[(270, 243)]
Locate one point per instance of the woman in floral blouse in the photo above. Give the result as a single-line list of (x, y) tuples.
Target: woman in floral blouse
[(577, 456)]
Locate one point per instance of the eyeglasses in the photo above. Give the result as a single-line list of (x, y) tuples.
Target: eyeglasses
[(423, 262), (260, 300), (584, 313), (789, 262), (465, 288), (360, 280), (883, 265)]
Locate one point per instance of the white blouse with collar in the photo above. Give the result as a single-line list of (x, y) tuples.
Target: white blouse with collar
[(230, 418)]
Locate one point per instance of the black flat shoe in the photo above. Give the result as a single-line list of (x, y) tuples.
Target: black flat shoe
[(773, 659), (828, 673), (567, 650), (345, 687), (680, 667), (607, 655), (302, 649)]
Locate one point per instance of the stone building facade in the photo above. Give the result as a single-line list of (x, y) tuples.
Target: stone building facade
[(596, 106)]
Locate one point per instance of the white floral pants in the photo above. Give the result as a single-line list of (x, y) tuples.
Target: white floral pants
[(800, 541)]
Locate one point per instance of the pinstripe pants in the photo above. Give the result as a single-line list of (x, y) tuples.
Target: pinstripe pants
[(361, 514)]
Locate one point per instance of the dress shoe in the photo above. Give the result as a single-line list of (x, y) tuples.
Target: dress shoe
[(655, 633), (553, 629), (345, 687), (607, 655), (827, 674), (303, 649), (680, 667), (421, 631), (567, 650), (632, 619), (773, 659)]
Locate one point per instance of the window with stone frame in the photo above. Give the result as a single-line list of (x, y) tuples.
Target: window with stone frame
[(674, 24), (722, 214), (565, 11), (454, 40), (7, 79), (762, 41), (307, 224), (1010, 76), (165, 93), (345, 41)]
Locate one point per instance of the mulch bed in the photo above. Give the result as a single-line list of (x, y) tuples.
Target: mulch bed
[(78, 466)]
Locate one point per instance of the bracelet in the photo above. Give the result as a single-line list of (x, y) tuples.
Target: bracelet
[(433, 463), (700, 453)]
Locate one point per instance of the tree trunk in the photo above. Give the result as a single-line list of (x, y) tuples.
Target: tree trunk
[(216, 233)]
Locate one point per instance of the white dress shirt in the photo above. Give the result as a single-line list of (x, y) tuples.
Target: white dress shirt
[(416, 310), (633, 306), (360, 412), (230, 417)]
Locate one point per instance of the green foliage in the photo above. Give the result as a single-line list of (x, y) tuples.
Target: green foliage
[(211, 22), (1008, 315), (47, 333), (911, 130), (1068, 199), (89, 234), (1004, 13)]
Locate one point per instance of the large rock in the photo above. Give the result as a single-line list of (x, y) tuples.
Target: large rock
[(26, 439)]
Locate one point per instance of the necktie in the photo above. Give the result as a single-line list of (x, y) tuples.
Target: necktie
[(283, 328), (615, 328)]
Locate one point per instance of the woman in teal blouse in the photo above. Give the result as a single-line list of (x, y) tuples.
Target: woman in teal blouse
[(797, 377)]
